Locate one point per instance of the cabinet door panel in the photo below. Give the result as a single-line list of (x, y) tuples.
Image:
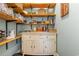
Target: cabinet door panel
[(49, 46), (27, 46), (38, 47)]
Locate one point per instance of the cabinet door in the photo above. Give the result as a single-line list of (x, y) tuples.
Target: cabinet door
[(27, 46), (49, 46), (38, 47)]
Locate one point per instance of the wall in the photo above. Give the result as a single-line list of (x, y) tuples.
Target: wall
[(20, 28), (2, 27), (13, 47), (68, 31)]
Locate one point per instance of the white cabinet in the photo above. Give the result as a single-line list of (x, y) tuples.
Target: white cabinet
[(38, 43)]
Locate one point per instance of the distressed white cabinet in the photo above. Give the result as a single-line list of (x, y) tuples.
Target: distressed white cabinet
[(38, 43)]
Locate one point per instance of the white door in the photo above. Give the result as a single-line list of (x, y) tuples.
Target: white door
[(49, 47), (27, 46), (38, 47)]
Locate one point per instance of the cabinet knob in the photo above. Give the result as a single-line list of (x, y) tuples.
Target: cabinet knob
[(31, 46), (34, 46), (47, 36), (45, 46), (29, 36)]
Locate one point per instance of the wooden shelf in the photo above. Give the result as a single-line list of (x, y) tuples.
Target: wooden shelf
[(9, 40), (39, 5), (6, 16), (39, 15), (38, 24), (18, 7), (19, 21)]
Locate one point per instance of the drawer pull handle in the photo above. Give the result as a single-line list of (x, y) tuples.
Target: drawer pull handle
[(45, 46), (34, 46), (30, 37), (31, 46)]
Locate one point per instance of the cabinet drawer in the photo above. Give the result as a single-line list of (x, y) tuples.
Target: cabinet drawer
[(38, 47), (28, 37), (51, 37)]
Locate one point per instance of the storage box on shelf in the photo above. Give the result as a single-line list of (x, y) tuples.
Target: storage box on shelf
[(10, 11), (4, 8), (4, 12), (50, 11), (42, 11)]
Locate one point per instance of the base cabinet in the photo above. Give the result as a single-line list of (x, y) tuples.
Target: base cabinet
[(37, 43)]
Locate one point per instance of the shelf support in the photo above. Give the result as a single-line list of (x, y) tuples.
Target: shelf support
[(6, 35)]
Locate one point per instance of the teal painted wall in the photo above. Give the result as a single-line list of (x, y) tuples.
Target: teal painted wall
[(13, 47), (2, 27)]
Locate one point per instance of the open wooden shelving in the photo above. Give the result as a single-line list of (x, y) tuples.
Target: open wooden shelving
[(6, 16), (9, 40), (38, 24), (9, 18), (39, 5), (39, 15), (18, 7)]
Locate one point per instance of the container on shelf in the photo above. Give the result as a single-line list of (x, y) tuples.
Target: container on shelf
[(4, 9), (34, 22), (34, 29), (50, 10), (42, 11), (47, 22), (10, 12), (52, 30), (2, 35), (29, 11), (35, 10)]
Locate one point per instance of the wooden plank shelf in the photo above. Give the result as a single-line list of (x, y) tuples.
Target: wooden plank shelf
[(39, 5), (9, 40), (39, 15), (19, 21), (7, 17), (38, 24), (18, 7)]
